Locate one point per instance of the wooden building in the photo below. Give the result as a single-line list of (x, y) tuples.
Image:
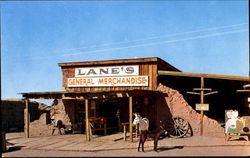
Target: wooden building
[(111, 91)]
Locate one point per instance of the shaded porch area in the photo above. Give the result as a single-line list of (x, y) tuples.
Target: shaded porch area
[(106, 108)]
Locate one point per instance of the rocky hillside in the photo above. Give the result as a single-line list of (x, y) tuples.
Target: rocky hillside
[(179, 107)]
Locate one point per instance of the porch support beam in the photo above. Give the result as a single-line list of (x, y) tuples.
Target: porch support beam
[(26, 118), (130, 118), (202, 102), (87, 120)]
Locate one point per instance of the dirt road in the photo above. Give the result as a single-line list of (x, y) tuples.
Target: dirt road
[(170, 151), (76, 146)]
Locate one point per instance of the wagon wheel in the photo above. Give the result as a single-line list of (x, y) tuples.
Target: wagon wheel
[(177, 127)]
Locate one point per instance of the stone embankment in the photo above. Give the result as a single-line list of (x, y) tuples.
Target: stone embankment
[(179, 107)]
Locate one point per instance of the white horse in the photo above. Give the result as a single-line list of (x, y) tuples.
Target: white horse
[(143, 122), (143, 129)]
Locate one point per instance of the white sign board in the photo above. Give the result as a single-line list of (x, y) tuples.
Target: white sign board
[(248, 99), (108, 81), (130, 70), (202, 107)]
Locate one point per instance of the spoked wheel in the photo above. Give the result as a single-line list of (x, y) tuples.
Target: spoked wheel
[(177, 127)]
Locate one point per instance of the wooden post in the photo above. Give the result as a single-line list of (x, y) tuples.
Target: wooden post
[(105, 127), (136, 130), (87, 120), (130, 118), (202, 102), (202, 95), (3, 141), (90, 132), (124, 132), (26, 119)]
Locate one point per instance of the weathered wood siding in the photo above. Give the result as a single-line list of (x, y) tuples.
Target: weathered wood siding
[(149, 69)]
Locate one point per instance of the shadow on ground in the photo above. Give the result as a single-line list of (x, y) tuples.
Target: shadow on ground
[(14, 148), (166, 148), (169, 148)]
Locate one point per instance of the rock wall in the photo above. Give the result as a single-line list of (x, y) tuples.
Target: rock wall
[(12, 113), (60, 111), (40, 126), (179, 107)]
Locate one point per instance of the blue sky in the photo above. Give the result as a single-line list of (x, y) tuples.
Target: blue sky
[(194, 36)]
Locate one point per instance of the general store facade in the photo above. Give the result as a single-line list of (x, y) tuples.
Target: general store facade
[(111, 91)]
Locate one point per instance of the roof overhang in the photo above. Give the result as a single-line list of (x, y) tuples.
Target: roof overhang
[(90, 95), (188, 74), (156, 60)]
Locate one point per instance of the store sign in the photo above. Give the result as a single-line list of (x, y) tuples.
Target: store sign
[(107, 71), (108, 81), (202, 107)]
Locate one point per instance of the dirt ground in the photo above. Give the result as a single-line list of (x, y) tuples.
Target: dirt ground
[(167, 151), (75, 145)]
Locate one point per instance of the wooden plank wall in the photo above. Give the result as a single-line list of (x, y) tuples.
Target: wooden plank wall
[(149, 69)]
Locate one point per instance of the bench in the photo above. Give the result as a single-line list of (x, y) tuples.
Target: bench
[(104, 129), (99, 123)]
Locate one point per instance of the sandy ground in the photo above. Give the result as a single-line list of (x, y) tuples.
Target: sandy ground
[(174, 151), (77, 146)]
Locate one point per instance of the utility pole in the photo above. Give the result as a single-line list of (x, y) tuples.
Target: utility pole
[(202, 107)]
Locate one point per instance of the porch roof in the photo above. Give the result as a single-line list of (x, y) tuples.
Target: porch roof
[(89, 95)]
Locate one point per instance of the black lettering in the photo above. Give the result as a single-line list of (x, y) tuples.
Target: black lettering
[(80, 72), (129, 70), (91, 71), (103, 71), (115, 71)]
